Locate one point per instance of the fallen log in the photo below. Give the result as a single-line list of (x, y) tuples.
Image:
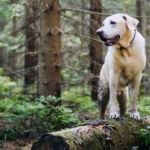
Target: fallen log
[(116, 134)]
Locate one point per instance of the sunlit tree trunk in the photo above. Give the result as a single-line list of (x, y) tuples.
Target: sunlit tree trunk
[(95, 47), (49, 59)]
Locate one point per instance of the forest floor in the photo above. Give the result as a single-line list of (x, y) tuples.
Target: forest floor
[(25, 144)]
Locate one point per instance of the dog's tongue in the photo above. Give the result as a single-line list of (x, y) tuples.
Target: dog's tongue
[(112, 40)]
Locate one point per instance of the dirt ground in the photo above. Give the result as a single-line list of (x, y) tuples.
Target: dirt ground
[(16, 145)]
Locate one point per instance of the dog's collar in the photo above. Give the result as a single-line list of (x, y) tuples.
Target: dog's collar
[(133, 36), (131, 40)]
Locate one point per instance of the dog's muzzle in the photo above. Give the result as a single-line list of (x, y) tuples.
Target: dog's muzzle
[(107, 42)]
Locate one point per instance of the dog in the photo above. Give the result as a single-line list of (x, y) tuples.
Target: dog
[(123, 65)]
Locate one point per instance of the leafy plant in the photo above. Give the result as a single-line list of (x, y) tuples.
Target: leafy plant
[(88, 106), (42, 115), (58, 116), (145, 136)]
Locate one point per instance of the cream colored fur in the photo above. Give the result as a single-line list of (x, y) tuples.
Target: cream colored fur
[(122, 67)]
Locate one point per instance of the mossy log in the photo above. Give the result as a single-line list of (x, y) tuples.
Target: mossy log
[(111, 134)]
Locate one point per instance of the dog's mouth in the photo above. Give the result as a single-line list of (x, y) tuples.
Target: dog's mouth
[(112, 41)]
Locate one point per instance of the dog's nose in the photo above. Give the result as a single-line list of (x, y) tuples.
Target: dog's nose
[(99, 32)]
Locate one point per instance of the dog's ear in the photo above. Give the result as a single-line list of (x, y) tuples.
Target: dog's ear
[(131, 22)]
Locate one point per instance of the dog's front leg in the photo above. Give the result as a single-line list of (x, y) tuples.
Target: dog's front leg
[(135, 90), (113, 83)]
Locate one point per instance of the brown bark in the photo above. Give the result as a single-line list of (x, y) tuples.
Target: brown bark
[(139, 13), (30, 59), (95, 135), (50, 60), (95, 47), (146, 34)]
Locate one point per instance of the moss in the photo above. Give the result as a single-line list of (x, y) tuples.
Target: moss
[(143, 124), (36, 141), (57, 139), (131, 121), (97, 132), (115, 133), (114, 123), (71, 140), (97, 141), (94, 144), (82, 137), (127, 115), (63, 133), (80, 124), (113, 136)]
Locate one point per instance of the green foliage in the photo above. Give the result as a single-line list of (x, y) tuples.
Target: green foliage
[(145, 136), (58, 116), (85, 102), (82, 104), (88, 106), (143, 105), (10, 15), (42, 115), (23, 115), (10, 93), (144, 110), (75, 94)]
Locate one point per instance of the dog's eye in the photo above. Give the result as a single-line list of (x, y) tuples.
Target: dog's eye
[(112, 22), (103, 24)]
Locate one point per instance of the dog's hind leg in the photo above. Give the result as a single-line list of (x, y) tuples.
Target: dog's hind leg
[(122, 100), (103, 98)]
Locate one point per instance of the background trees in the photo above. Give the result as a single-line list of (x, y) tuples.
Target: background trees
[(49, 47), (49, 61), (96, 49)]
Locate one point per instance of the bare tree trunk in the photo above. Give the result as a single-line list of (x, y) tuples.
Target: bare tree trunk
[(30, 59), (95, 135), (146, 27), (139, 13), (49, 59), (95, 47)]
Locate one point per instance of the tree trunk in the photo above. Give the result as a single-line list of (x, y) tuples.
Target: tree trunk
[(139, 13), (49, 59), (95, 47), (146, 27), (109, 134), (30, 59)]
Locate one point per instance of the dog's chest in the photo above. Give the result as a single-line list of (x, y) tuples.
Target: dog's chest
[(130, 64)]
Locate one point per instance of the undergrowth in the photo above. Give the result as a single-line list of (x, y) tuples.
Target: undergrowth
[(42, 116), (145, 136)]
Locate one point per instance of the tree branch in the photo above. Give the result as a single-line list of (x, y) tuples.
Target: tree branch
[(11, 72), (96, 13), (23, 27)]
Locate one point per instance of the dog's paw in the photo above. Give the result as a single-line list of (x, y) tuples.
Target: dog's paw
[(114, 115), (135, 115)]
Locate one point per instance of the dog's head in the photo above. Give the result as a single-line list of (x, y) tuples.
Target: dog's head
[(118, 28)]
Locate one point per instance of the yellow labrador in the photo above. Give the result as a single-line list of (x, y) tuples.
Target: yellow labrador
[(123, 65)]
